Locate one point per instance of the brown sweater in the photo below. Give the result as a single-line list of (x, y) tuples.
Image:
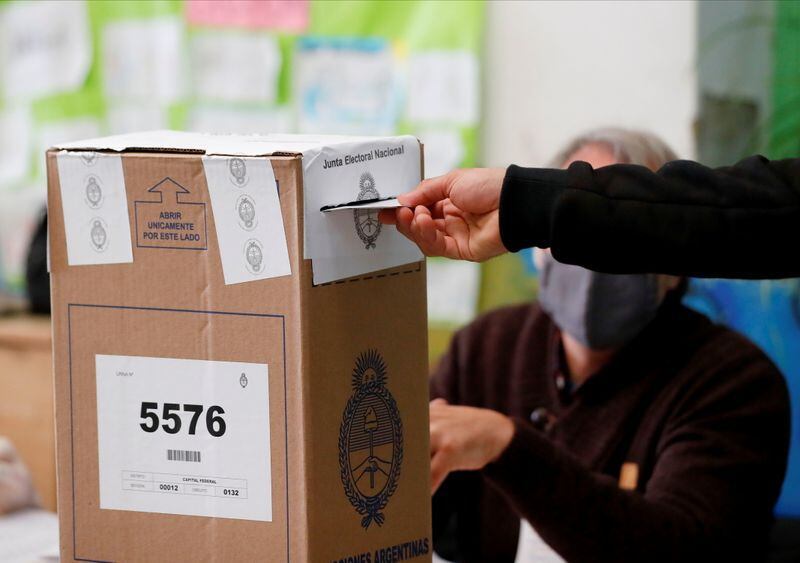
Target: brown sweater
[(699, 410)]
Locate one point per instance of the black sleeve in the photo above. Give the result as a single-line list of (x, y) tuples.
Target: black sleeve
[(741, 221)]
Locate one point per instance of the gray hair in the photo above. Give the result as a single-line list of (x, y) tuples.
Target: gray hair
[(628, 147)]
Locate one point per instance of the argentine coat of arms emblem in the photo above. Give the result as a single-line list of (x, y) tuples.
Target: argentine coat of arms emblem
[(237, 170), (368, 227), (370, 440)]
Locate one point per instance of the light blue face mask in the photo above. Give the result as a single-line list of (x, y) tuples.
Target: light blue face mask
[(599, 310)]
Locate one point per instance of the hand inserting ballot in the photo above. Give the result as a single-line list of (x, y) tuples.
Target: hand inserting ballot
[(455, 215)]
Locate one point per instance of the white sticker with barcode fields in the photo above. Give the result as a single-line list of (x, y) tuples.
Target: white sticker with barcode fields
[(180, 436)]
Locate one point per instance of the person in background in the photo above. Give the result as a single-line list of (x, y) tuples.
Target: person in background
[(16, 488), (605, 422)]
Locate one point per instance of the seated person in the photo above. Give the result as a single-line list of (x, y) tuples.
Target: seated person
[(606, 422)]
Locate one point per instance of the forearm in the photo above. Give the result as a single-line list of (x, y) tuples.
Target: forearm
[(585, 516), (685, 219)]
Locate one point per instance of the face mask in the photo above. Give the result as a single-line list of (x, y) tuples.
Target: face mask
[(598, 310)]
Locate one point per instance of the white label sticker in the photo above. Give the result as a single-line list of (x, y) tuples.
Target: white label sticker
[(248, 219), (95, 208), (344, 244), (381, 168), (188, 437)]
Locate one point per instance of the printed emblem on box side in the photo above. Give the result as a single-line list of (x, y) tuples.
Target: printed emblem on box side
[(93, 193), (246, 211), (370, 440), (254, 256), (88, 158), (99, 234), (237, 172), (368, 227)]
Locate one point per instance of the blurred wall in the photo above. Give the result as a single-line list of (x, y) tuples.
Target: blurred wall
[(554, 69)]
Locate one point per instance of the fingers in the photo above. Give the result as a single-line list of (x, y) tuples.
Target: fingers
[(427, 232), (387, 216), (403, 218), (428, 192), (438, 401)]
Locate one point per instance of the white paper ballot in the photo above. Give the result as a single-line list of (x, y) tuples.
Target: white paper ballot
[(247, 217), (235, 66), (95, 208), (390, 203), (445, 88), (45, 48), (143, 59)]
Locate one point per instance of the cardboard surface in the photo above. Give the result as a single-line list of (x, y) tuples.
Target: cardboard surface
[(348, 400)]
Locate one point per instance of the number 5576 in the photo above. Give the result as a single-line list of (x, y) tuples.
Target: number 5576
[(172, 421)]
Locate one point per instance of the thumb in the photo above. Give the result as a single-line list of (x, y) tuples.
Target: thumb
[(428, 192)]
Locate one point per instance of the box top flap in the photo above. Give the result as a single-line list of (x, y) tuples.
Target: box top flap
[(203, 143)]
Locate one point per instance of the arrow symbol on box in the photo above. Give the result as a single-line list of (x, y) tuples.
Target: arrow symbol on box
[(168, 185)]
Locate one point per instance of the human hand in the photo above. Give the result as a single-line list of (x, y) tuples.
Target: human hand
[(456, 215), (464, 438), (16, 488)]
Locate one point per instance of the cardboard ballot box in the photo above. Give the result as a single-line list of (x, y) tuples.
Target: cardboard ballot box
[(239, 377)]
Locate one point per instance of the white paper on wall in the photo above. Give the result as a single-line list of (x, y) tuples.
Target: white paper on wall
[(211, 119), (127, 117), (143, 59), (20, 211), (45, 48), (16, 144), (346, 86), (235, 66), (247, 217), (453, 287), (95, 206), (444, 87), (444, 151)]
